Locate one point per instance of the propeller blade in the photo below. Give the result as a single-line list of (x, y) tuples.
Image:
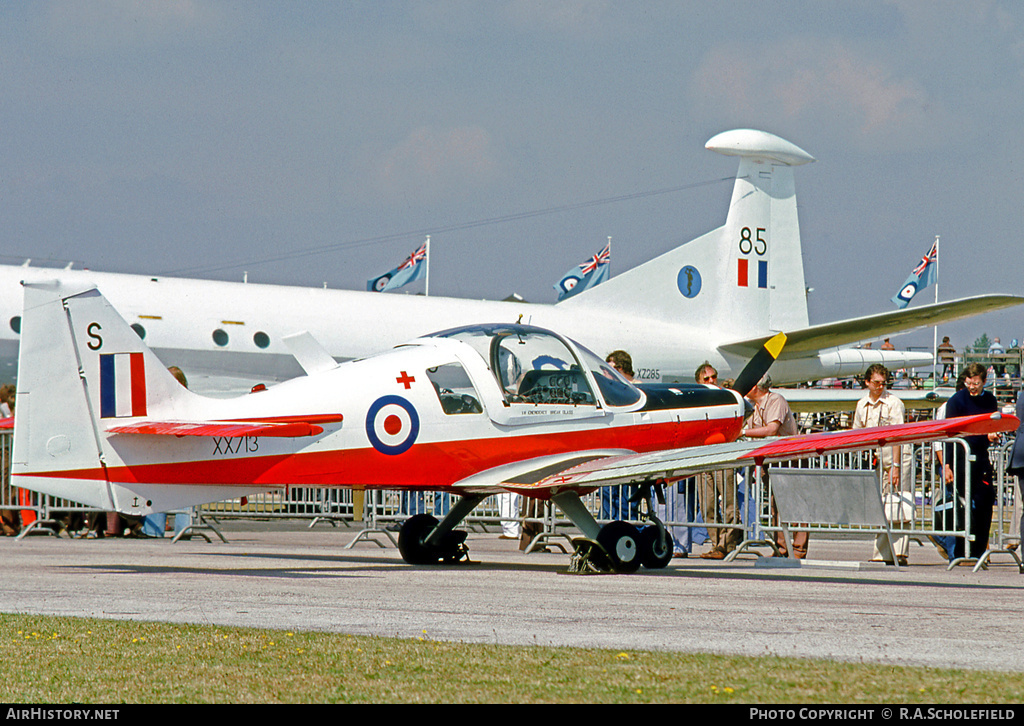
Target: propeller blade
[(759, 364)]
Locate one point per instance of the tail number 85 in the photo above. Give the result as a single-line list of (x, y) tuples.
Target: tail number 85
[(750, 242)]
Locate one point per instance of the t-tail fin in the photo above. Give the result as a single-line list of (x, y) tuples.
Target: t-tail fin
[(746, 277), (81, 370)]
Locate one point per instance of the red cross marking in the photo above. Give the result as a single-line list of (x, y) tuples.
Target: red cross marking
[(406, 380)]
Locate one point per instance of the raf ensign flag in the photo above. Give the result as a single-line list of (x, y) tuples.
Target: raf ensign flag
[(592, 272), (925, 274), (414, 268)]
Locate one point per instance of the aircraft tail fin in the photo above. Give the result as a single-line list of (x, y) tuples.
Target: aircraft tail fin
[(82, 369), (745, 277)]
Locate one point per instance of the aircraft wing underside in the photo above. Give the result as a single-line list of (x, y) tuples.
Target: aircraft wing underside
[(607, 469), (526, 475), (833, 400), (808, 341)]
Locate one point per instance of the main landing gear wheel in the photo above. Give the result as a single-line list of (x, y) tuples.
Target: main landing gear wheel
[(621, 542), (655, 547), (412, 540), (413, 545)]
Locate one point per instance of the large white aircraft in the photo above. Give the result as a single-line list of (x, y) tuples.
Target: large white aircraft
[(718, 298)]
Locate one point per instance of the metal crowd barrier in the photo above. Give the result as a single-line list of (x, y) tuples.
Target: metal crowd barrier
[(915, 507), (1007, 516), (22, 510), (381, 511)]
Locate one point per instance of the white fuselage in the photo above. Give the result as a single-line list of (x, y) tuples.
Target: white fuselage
[(235, 330)]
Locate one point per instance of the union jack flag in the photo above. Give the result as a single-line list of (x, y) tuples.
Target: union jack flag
[(601, 258), (929, 258), (584, 276), (415, 258)]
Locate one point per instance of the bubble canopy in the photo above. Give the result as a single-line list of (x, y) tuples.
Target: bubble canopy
[(532, 363)]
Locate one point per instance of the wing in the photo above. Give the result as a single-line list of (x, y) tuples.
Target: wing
[(284, 426), (829, 400), (672, 464), (846, 332), (526, 476)]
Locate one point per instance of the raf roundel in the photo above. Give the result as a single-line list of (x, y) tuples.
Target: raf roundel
[(392, 425), (908, 292), (567, 284)]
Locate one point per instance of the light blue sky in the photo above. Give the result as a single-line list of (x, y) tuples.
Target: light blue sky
[(309, 142)]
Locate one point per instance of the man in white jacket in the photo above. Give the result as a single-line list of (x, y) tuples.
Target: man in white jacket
[(882, 408)]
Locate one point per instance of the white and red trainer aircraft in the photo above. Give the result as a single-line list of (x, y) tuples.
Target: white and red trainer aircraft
[(473, 411)]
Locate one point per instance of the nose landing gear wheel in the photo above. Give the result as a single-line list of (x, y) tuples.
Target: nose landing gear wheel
[(621, 541)]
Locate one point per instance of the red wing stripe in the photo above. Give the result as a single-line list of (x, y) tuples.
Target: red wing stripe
[(884, 435)]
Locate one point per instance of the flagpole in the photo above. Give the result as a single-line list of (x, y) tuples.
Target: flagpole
[(426, 292), (935, 333), (609, 257)]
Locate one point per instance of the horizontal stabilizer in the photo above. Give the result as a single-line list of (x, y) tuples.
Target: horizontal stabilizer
[(276, 428), (812, 339)]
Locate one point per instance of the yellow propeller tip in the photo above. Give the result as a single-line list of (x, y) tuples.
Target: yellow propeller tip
[(775, 344)]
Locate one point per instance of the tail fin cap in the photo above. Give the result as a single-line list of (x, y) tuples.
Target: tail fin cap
[(758, 144)]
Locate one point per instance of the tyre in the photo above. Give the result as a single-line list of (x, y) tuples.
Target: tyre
[(412, 540), (621, 541), (655, 550)]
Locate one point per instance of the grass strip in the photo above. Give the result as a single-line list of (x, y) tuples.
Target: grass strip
[(82, 660)]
